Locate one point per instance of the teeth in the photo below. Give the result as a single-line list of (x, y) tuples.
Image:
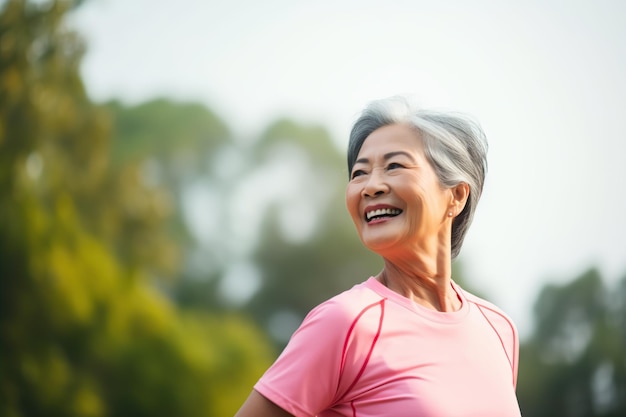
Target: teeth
[(382, 212)]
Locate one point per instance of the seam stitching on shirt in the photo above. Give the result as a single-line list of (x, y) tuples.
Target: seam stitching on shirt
[(380, 303), (506, 352)]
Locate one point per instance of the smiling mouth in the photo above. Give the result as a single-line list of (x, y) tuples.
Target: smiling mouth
[(380, 213)]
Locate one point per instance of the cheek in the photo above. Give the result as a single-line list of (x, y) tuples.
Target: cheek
[(352, 201)]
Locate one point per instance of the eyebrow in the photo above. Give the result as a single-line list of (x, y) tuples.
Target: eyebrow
[(386, 157)]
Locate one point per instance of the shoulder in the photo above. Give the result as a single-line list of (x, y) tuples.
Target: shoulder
[(495, 315), (311, 372), (345, 310), (347, 324), (502, 325)]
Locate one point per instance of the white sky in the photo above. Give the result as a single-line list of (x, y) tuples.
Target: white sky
[(545, 78)]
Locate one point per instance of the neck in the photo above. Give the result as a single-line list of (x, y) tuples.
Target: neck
[(425, 280)]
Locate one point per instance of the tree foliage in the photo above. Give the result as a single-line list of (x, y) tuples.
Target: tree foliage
[(84, 330), (574, 363)]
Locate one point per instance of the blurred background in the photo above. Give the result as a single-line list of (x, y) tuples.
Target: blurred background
[(172, 178)]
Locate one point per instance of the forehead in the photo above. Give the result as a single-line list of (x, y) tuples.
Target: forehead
[(390, 138)]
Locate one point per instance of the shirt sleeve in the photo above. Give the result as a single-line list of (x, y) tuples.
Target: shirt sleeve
[(504, 328), (305, 377)]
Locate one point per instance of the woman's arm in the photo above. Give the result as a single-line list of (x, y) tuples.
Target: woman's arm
[(258, 406)]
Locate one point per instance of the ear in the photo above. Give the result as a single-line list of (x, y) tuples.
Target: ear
[(459, 195)]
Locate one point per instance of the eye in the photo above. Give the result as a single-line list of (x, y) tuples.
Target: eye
[(394, 165), (357, 173)]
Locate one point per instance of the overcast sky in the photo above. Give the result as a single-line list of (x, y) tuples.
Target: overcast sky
[(547, 80)]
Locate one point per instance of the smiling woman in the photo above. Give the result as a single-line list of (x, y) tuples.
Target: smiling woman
[(408, 341), (454, 145), (393, 158)]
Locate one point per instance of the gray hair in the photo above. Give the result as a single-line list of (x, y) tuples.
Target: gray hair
[(454, 144)]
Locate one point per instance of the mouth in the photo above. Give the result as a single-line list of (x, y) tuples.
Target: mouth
[(381, 213)]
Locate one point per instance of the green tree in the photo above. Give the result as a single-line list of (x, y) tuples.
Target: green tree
[(175, 145), (84, 331), (573, 364)]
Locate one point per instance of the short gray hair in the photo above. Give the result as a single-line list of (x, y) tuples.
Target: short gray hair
[(454, 144)]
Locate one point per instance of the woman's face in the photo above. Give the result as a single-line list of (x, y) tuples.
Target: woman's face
[(394, 196)]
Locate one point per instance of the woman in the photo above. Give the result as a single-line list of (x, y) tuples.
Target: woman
[(409, 341)]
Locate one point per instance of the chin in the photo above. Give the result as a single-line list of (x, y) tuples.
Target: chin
[(380, 245)]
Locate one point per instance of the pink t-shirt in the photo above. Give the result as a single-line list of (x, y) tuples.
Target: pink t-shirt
[(370, 352)]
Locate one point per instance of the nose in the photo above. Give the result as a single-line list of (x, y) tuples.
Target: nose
[(375, 185)]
